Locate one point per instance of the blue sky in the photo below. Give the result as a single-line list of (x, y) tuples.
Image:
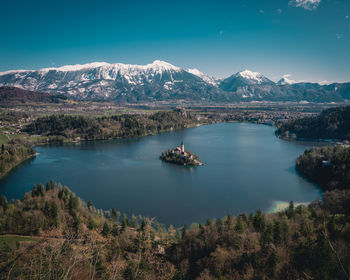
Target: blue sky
[(308, 39)]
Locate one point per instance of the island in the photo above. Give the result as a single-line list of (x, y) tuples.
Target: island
[(178, 155)]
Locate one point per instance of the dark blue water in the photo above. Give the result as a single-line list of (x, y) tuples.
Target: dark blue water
[(246, 168)]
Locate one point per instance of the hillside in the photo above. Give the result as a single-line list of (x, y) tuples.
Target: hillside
[(14, 95), (13, 154), (52, 234), (329, 124), (329, 167), (111, 127)]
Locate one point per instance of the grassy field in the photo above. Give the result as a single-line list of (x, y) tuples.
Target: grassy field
[(11, 239), (3, 139)]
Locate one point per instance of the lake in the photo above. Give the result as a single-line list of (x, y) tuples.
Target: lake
[(245, 168)]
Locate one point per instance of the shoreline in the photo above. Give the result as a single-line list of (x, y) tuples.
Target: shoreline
[(6, 172), (279, 206)]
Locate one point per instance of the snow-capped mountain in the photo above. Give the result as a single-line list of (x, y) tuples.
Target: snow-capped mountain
[(243, 79), (156, 81), (251, 86), (162, 81), (204, 77), (286, 80), (251, 77), (247, 84)]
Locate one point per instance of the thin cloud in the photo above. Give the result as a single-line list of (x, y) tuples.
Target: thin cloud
[(339, 36), (279, 11), (305, 4), (288, 81)]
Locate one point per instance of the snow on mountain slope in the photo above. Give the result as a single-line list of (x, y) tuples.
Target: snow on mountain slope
[(161, 80), (203, 76), (253, 77), (156, 81), (285, 80), (249, 75)]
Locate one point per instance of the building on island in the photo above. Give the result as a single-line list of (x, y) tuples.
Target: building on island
[(179, 156)]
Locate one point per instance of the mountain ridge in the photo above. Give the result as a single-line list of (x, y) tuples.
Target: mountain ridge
[(162, 81)]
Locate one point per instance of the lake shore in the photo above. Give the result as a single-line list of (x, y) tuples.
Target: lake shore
[(15, 164)]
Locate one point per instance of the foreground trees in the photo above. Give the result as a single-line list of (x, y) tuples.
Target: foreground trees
[(72, 240)]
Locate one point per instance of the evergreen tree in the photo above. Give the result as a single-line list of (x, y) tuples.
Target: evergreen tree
[(3, 202), (105, 229), (41, 190), (114, 214), (90, 205)]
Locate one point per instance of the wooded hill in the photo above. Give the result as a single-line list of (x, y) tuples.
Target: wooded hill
[(70, 239), (109, 127), (329, 166), (13, 154), (14, 95), (329, 124)]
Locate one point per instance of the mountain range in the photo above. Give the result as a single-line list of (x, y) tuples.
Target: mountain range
[(162, 81)]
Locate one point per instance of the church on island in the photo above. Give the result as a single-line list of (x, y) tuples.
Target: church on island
[(181, 151), (178, 155)]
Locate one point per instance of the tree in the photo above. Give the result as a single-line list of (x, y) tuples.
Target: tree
[(115, 230), (90, 205), (125, 221), (114, 213), (290, 211), (50, 185), (277, 232), (184, 231), (92, 223), (73, 202), (105, 229), (239, 226), (133, 221), (34, 191), (271, 263), (259, 221), (41, 190), (3, 202)]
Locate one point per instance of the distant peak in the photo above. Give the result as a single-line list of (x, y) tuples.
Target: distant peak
[(204, 77), (162, 64), (247, 74), (255, 77), (76, 67), (157, 65), (286, 80), (195, 71)]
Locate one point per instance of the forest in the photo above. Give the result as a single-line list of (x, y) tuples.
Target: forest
[(328, 166), (331, 123), (110, 127), (12, 154), (53, 234)]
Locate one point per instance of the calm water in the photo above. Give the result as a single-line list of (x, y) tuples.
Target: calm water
[(246, 168)]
